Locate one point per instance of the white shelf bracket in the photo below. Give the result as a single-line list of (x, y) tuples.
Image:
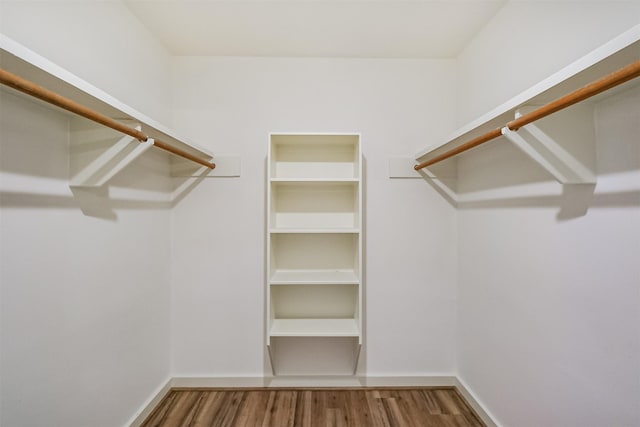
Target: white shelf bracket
[(113, 160), (545, 151)]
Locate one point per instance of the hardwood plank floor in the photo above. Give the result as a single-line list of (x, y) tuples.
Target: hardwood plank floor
[(304, 407)]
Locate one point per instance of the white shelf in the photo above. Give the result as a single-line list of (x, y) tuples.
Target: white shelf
[(314, 230), (25, 63), (314, 277), (314, 328), (314, 184), (610, 57), (318, 180)]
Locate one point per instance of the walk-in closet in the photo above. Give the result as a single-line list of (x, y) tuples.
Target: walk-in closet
[(320, 212)]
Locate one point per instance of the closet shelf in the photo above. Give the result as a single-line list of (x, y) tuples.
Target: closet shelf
[(318, 230), (314, 328), (607, 59), (316, 180), (28, 65), (314, 277)]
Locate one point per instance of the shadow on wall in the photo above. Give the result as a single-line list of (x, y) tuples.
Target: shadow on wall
[(604, 137), (92, 202), (574, 201), (96, 202), (43, 148)]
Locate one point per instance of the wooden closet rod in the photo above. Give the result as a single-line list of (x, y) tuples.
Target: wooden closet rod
[(614, 79), (32, 89)]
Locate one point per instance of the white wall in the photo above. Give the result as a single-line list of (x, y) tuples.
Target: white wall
[(218, 244), (101, 42), (84, 276), (527, 41), (85, 309), (549, 314)]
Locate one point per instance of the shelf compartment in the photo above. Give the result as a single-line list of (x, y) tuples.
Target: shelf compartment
[(314, 301), (327, 252), (314, 205), (314, 277), (314, 328), (314, 156)]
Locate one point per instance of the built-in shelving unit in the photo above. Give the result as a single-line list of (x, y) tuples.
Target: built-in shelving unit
[(314, 236), (612, 56)]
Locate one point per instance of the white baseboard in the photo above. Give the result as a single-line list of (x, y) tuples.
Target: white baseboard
[(312, 381), (214, 382), (418, 381), (475, 404), (150, 404)]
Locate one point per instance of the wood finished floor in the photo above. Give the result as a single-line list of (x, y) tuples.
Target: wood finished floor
[(313, 407)]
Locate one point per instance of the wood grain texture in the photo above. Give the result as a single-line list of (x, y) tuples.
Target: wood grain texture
[(302, 407)]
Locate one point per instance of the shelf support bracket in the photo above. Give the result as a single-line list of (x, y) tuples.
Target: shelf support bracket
[(545, 151), (113, 160)]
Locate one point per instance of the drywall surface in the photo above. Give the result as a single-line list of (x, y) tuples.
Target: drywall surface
[(84, 279), (232, 104), (85, 273), (549, 307), (528, 41), (100, 42)]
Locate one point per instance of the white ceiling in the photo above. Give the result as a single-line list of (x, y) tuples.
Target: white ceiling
[(315, 28)]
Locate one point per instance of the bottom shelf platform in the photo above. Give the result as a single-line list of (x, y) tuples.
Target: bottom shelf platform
[(314, 328)]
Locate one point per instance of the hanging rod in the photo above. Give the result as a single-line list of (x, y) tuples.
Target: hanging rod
[(612, 80), (32, 89)]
